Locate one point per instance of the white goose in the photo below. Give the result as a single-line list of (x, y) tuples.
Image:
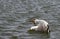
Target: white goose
[(40, 25)]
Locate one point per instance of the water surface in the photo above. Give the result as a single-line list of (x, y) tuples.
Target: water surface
[(15, 13)]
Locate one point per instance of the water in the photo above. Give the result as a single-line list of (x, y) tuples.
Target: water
[(15, 13)]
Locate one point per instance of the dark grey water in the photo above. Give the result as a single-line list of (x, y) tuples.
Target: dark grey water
[(15, 13)]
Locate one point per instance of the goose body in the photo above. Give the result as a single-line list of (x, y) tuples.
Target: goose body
[(41, 25)]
